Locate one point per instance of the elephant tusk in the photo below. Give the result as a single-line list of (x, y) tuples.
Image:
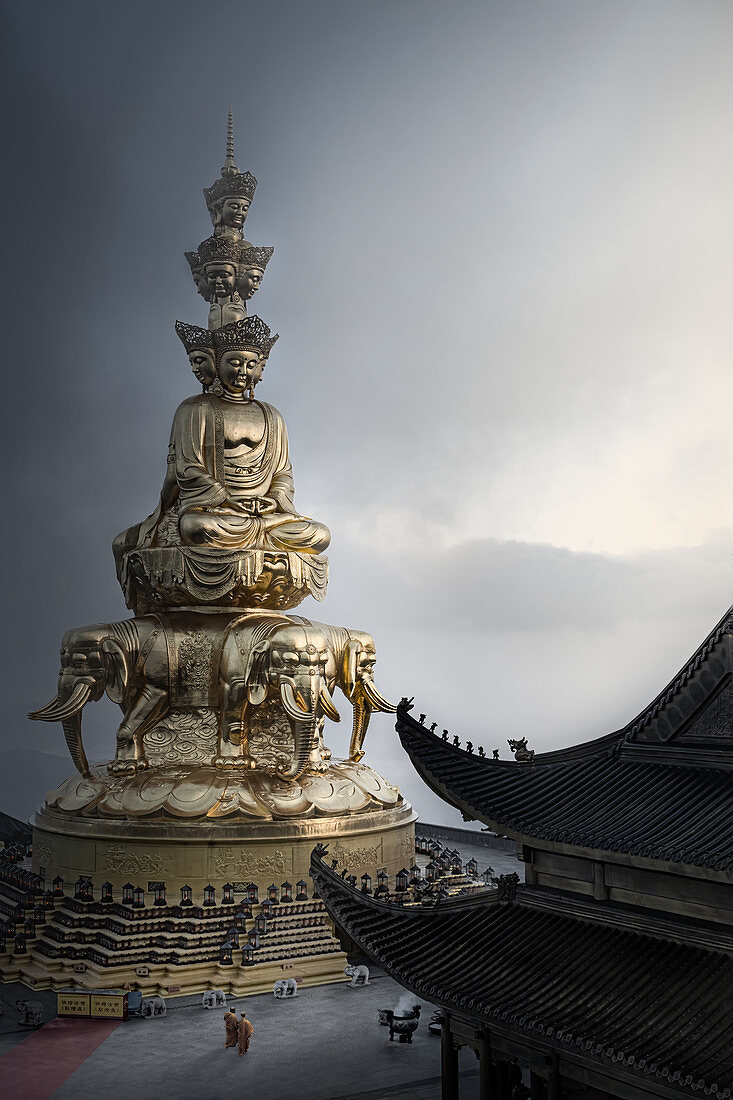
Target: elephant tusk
[(42, 711), (57, 711), (376, 699), (292, 708), (328, 706)]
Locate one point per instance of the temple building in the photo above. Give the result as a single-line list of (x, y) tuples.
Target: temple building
[(607, 973)]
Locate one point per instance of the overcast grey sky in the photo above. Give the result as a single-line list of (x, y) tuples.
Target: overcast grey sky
[(503, 258)]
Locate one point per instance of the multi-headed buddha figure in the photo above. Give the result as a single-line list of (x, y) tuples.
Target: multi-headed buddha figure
[(229, 479), (229, 482), (226, 275)]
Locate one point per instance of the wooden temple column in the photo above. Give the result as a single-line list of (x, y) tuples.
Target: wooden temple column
[(503, 1085), (448, 1063), (554, 1089), (537, 1086), (487, 1079)]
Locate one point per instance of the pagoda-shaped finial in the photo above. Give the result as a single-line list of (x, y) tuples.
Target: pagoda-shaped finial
[(230, 168)]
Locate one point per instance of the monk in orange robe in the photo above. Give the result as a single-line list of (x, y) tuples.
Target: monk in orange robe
[(245, 1033), (232, 1025)]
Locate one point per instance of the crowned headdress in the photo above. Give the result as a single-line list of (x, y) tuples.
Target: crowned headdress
[(194, 338), (251, 333), (216, 250), (256, 256), (232, 183)]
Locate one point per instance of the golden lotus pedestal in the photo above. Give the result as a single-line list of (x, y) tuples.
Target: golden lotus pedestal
[(171, 950)]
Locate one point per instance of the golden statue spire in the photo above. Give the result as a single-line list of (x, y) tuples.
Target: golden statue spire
[(230, 167)]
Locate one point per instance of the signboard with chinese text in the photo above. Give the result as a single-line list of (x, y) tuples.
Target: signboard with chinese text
[(71, 1003), (108, 1006)]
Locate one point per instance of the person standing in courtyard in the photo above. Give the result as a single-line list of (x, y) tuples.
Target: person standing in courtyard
[(245, 1033), (232, 1026)]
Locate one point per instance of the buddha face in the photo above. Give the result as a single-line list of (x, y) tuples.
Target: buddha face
[(203, 366), (234, 211), (221, 280), (250, 282), (240, 369)]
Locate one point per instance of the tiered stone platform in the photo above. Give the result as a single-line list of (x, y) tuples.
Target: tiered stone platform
[(70, 936), (52, 941)]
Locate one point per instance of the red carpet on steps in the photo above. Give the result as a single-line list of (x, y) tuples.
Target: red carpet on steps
[(35, 1068)]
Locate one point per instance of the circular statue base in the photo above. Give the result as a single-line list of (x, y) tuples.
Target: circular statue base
[(203, 850)]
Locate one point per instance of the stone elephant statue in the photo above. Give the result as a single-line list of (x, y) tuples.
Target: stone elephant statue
[(359, 975), (228, 661), (285, 987), (153, 1006), (213, 998), (30, 1013), (353, 655)]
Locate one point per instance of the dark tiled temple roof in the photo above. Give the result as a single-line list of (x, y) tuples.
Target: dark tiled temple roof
[(648, 790), (657, 1007)]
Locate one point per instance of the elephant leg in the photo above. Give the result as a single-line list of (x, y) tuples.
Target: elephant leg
[(145, 711), (232, 750)]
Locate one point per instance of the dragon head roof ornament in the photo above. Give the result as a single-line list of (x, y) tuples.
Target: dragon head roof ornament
[(232, 183), (251, 333)]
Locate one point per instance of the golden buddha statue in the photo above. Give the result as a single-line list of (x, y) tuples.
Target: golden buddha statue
[(229, 483), (232, 467)]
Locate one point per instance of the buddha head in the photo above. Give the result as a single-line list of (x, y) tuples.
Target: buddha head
[(232, 212), (249, 282), (242, 349), (228, 199), (252, 266), (220, 280), (239, 371), (199, 346), (215, 267)]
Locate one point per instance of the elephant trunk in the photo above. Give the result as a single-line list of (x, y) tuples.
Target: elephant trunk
[(300, 706), (362, 714)]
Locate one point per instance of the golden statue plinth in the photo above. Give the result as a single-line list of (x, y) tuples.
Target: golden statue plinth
[(221, 779)]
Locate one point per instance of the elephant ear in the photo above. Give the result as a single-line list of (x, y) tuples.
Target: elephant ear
[(115, 666), (348, 666), (255, 676)]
